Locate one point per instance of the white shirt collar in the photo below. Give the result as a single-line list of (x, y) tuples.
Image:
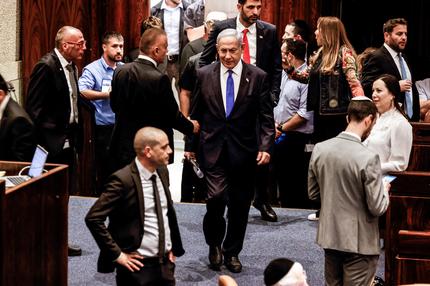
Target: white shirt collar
[(251, 29), (164, 6), (3, 105), (63, 61), (143, 172), (145, 57), (237, 69), (392, 52)]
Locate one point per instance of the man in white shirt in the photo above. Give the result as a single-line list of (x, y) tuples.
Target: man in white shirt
[(261, 48), (171, 14), (389, 59), (142, 240)]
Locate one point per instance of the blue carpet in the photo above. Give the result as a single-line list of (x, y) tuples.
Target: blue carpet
[(293, 236)]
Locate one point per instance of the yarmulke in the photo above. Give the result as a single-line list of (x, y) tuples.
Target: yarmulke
[(361, 97), (277, 269)]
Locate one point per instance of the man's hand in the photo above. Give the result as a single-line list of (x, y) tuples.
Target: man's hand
[(196, 126), (278, 133), (189, 155), (172, 257), (263, 158), (405, 85), (129, 261)]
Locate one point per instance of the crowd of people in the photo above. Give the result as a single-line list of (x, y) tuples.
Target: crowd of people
[(252, 110)]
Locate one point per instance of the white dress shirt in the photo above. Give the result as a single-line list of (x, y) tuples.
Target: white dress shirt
[(171, 21), (391, 139), (252, 39), (395, 56), (237, 73), (64, 63), (149, 245)]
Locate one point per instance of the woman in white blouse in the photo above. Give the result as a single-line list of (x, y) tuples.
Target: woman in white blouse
[(391, 137)]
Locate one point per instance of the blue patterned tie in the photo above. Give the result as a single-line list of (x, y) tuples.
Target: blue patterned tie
[(408, 94), (229, 94)]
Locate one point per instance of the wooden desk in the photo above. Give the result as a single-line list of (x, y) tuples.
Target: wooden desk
[(33, 228)]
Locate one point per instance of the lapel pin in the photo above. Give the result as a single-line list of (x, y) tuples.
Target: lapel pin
[(261, 37), (247, 80)]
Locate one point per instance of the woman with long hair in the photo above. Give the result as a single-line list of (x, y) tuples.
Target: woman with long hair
[(333, 80), (391, 137)]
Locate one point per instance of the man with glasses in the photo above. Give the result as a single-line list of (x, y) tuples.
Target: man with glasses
[(53, 102)]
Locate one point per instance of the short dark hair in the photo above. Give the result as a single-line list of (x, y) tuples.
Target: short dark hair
[(242, 2), (296, 47), (111, 34), (301, 28), (3, 84), (391, 23), (149, 37), (360, 109)]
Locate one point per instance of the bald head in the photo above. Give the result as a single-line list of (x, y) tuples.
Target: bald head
[(70, 43)]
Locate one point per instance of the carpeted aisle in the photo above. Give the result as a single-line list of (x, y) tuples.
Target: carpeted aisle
[(293, 237)]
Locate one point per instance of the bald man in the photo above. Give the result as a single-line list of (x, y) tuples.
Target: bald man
[(53, 102)]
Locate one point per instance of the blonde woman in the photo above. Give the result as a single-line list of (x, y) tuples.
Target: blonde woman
[(333, 80)]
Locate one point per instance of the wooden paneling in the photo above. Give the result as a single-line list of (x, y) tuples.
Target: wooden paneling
[(282, 12), (33, 228), (41, 20)]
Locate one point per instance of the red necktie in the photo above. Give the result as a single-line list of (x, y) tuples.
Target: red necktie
[(246, 56)]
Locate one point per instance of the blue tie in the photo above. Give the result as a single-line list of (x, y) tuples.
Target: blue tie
[(229, 94), (408, 94)]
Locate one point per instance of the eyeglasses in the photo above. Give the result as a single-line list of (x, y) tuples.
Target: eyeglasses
[(79, 44)]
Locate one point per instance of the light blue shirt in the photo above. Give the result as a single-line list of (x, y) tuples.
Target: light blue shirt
[(94, 76), (292, 100)]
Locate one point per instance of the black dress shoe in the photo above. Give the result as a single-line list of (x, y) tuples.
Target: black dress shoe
[(74, 250), (215, 257), (267, 213), (233, 264)]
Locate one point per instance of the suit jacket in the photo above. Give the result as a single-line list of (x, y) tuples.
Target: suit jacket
[(17, 141), (346, 177), (381, 62), (238, 132), (159, 13), (142, 96), (48, 104), (123, 202), (268, 56)]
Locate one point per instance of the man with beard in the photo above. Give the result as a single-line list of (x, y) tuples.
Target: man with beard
[(260, 48), (346, 177), (389, 59), (95, 85)]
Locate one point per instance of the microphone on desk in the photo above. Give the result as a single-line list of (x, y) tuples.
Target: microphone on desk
[(196, 167)]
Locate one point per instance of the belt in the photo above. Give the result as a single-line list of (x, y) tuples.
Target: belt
[(172, 58), (153, 261)]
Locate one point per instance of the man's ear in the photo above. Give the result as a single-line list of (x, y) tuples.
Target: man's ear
[(2, 95), (104, 47)]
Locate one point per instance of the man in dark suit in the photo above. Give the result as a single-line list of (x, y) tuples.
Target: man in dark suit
[(17, 142), (142, 239), (142, 96), (235, 112), (389, 59), (262, 50), (53, 102)]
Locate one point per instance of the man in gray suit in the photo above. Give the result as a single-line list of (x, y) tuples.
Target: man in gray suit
[(346, 177)]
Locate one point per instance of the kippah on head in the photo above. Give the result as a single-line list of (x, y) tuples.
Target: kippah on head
[(360, 97), (276, 270)]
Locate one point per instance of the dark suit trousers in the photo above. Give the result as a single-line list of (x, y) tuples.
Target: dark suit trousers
[(192, 188), (152, 273), (232, 188), (291, 171), (103, 134), (345, 268)]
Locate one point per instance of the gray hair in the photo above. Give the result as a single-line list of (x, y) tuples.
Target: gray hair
[(229, 33)]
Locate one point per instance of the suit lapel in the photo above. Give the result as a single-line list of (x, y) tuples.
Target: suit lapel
[(217, 88), (137, 182), (391, 62), (260, 42), (243, 86), (162, 173)]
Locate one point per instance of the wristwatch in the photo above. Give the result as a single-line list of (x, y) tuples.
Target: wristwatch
[(280, 127)]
